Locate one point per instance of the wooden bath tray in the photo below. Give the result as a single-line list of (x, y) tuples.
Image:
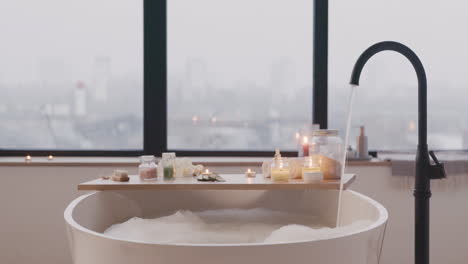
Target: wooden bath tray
[(233, 182)]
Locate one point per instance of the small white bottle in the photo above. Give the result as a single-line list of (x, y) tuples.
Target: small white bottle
[(361, 145)]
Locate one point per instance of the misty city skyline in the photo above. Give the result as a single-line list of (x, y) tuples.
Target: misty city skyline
[(251, 72)]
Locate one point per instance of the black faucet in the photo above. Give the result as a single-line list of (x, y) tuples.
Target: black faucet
[(425, 171)]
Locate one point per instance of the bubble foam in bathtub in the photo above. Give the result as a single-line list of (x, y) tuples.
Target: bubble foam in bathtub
[(227, 226)]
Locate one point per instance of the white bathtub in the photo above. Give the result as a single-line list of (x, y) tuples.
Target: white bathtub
[(89, 215)]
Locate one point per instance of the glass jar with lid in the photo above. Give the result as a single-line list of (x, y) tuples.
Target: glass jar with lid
[(168, 165), (148, 170), (327, 149), (280, 169)]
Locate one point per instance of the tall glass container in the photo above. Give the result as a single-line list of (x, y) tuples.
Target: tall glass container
[(168, 164), (327, 149), (280, 169)]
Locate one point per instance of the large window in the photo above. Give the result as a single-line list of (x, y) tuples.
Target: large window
[(222, 77), (239, 73), (71, 75), (386, 101)]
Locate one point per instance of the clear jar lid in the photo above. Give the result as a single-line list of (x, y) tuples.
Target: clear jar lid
[(169, 155), (147, 158)]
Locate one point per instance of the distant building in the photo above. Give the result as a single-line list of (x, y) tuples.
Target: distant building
[(80, 99), (101, 78), (196, 80)]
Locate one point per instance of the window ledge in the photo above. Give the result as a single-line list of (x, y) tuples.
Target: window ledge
[(134, 161)]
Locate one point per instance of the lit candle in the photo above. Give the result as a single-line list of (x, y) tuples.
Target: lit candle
[(305, 146), (280, 173), (311, 170), (28, 158), (250, 173), (207, 175), (50, 157)]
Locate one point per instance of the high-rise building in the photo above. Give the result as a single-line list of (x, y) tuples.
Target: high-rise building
[(80, 99), (101, 78)]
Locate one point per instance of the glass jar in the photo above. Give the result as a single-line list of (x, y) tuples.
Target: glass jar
[(280, 169), (168, 164), (311, 164), (148, 170), (327, 150)]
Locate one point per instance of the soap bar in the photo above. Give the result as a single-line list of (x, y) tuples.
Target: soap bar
[(120, 176)]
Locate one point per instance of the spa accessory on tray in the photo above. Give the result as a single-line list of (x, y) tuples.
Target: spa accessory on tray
[(208, 176), (280, 169), (328, 150), (120, 176), (148, 170), (168, 163), (311, 170)]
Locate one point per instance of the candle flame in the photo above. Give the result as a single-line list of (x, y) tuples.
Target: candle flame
[(298, 136), (207, 171), (249, 170), (305, 140), (50, 157)]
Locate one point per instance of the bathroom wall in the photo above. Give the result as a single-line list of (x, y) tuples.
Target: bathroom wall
[(32, 200)]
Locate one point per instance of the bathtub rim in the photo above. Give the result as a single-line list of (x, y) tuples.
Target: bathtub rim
[(382, 220)]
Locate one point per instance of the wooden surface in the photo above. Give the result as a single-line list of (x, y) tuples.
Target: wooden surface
[(233, 182)]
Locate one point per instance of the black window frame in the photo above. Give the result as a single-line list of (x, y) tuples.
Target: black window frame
[(155, 89)]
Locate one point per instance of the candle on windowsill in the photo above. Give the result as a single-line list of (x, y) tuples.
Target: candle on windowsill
[(50, 157), (28, 158), (305, 146)]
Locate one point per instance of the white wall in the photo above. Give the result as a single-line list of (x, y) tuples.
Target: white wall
[(32, 200)]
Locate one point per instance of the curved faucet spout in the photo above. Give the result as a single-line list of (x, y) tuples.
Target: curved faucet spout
[(424, 170), (420, 72)]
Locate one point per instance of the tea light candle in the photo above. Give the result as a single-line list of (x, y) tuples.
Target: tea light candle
[(250, 173), (305, 146), (28, 158), (206, 174), (50, 157)]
